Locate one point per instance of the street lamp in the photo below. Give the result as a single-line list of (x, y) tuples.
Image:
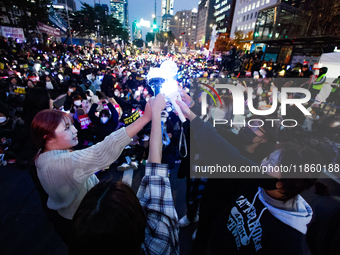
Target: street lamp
[(176, 17), (153, 16)]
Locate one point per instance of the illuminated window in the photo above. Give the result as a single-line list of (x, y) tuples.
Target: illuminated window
[(258, 4), (262, 3), (253, 25), (267, 1), (253, 6), (245, 9)]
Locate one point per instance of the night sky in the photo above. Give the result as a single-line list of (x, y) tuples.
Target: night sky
[(145, 8)]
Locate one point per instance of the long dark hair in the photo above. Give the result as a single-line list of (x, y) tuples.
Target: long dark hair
[(109, 220)]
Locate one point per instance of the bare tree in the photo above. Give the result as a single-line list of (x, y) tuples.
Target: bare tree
[(325, 17)]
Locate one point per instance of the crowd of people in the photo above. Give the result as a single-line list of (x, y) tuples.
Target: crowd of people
[(71, 111)]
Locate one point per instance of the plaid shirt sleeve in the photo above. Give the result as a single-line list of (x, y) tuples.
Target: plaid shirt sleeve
[(154, 194)]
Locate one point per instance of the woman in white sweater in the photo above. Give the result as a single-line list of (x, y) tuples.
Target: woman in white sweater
[(65, 175)]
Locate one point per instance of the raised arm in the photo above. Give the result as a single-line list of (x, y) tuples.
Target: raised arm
[(155, 195), (92, 114), (136, 126), (155, 147)]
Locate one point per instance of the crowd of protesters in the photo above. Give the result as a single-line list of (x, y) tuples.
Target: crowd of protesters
[(101, 95)]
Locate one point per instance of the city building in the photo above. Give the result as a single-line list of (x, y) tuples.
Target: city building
[(282, 33), (205, 20), (167, 13), (70, 4), (11, 16), (183, 26), (119, 10), (281, 21), (223, 14), (105, 8), (245, 15), (136, 30)]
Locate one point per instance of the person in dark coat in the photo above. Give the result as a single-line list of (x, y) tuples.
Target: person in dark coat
[(106, 122)]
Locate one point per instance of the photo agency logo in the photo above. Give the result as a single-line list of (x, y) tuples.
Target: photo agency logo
[(239, 103)]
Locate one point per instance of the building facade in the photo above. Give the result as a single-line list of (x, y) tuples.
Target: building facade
[(70, 3), (223, 15), (245, 15), (105, 8), (136, 30), (167, 13), (183, 26), (119, 10), (205, 20)]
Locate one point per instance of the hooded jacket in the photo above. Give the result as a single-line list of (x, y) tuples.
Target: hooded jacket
[(251, 222), (252, 225)]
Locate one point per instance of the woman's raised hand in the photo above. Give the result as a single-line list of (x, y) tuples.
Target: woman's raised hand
[(158, 103)]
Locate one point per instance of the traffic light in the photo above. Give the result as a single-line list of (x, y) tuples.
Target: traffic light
[(183, 33), (154, 26)]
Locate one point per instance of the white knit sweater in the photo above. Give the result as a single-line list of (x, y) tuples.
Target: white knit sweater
[(67, 176)]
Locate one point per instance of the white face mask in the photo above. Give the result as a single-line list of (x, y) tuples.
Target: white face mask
[(224, 91), (71, 90), (49, 85), (147, 99), (116, 93), (88, 98), (104, 119), (77, 103), (217, 113), (3, 119)]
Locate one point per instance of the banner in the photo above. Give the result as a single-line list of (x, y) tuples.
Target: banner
[(85, 121), (132, 118), (13, 32), (76, 70), (58, 21), (33, 78), (20, 90), (48, 30)]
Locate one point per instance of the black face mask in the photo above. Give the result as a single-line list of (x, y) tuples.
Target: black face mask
[(268, 183), (246, 136)]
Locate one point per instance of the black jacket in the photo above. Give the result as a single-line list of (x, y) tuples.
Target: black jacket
[(110, 126), (247, 227)]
